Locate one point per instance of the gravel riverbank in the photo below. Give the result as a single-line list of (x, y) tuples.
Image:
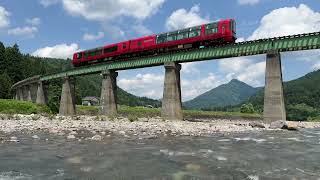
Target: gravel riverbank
[(100, 127)]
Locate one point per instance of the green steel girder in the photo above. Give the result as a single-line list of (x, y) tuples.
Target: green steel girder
[(281, 44)]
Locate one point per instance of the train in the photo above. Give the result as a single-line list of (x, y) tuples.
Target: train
[(205, 35)]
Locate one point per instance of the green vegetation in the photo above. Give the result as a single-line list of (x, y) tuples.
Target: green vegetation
[(233, 93), (8, 106), (139, 112), (247, 108), (301, 98)]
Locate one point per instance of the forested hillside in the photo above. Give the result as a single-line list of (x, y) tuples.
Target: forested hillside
[(15, 66), (302, 97), (230, 94)]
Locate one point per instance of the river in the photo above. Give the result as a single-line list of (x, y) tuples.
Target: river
[(254, 155)]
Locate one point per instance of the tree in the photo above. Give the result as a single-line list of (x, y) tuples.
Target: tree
[(2, 57), (5, 86), (247, 108)]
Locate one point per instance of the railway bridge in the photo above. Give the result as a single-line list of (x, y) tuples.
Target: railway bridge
[(35, 88)]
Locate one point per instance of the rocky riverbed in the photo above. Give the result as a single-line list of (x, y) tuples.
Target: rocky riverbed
[(88, 147), (99, 127)]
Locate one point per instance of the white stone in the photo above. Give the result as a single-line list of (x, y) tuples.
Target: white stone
[(96, 138), (71, 136)]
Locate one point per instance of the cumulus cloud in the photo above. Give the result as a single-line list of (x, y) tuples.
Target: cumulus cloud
[(93, 37), (183, 18), (316, 66), (245, 69), (102, 10), (141, 29), (4, 17), (27, 31), (34, 21), (248, 2), (149, 85), (287, 21), (63, 51)]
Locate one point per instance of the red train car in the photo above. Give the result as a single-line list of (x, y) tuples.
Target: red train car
[(220, 32)]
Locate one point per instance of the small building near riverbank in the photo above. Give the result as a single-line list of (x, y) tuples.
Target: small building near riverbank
[(91, 101)]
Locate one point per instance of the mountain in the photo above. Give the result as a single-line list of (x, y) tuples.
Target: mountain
[(233, 93)]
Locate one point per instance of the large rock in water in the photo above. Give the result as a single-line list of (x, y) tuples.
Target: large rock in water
[(256, 125), (292, 126), (279, 125)]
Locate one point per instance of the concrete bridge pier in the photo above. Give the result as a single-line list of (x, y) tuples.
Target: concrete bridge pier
[(20, 93), (108, 99), (67, 102), (274, 107), (42, 96), (29, 93), (171, 103)]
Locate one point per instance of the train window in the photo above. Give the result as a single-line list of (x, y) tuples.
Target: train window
[(111, 49), (139, 43), (172, 37), (86, 54), (233, 26), (194, 33), (211, 28), (184, 34), (161, 39), (79, 55), (124, 45)]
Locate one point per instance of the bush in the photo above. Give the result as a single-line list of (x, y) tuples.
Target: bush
[(247, 108), (133, 118), (9, 106), (301, 112)]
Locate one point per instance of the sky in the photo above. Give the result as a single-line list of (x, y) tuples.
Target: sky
[(58, 28)]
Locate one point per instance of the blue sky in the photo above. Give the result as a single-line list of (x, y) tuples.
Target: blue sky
[(57, 28)]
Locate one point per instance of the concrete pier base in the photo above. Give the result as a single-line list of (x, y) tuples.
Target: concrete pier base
[(274, 107), (29, 94), (20, 94), (42, 97), (67, 102), (108, 99), (171, 103), (25, 93)]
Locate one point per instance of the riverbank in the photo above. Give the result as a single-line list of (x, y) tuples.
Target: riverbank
[(99, 127)]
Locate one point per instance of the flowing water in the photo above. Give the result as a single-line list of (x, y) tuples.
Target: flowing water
[(263, 155)]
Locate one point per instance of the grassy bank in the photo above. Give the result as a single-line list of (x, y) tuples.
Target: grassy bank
[(153, 112), (9, 106)]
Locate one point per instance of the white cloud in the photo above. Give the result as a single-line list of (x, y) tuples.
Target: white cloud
[(103, 10), (27, 31), (248, 2), (182, 18), (63, 51), (149, 85), (288, 21), (253, 74), (190, 67), (141, 29), (34, 21), (93, 37), (4, 17), (244, 69), (240, 39), (47, 3), (316, 66)]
